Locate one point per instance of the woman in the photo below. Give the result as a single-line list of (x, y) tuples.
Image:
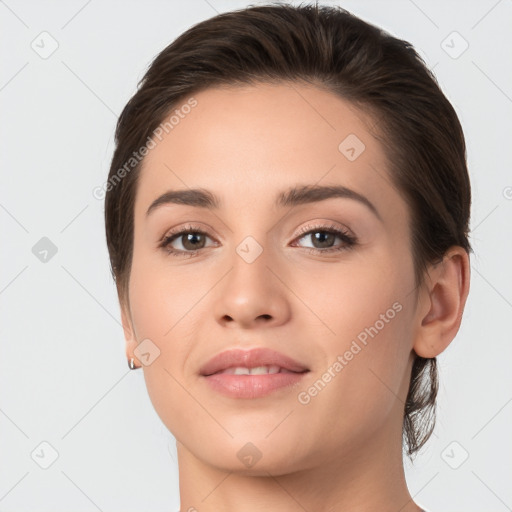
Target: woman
[(287, 221)]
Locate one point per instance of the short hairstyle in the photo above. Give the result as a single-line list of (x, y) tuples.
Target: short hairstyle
[(330, 48)]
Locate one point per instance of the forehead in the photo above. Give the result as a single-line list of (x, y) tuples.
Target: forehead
[(245, 142)]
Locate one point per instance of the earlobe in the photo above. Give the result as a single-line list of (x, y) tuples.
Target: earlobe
[(444, 298)]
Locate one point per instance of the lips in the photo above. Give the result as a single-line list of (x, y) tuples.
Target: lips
[(229, 360)]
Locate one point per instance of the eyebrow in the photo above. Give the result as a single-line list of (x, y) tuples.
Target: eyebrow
[(297, 195)]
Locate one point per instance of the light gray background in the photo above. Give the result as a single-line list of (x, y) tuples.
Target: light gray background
[(63, 373)]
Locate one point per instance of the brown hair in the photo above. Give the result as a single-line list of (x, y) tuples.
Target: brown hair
[(327, 47)]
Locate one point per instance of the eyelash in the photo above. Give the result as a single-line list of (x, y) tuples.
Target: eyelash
[(348, 239)]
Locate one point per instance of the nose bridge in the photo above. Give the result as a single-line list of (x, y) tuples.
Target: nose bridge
[(250, 274), (250, 291)]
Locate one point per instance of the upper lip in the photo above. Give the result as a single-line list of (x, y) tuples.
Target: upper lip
[(250, 359)]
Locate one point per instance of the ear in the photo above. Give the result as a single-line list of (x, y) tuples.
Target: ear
[(129, 331), (442, 303)]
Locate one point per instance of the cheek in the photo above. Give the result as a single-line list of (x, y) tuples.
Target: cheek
[(368, 309), (159, 307), (362, 386), (364, 293), (161, 297), (161, 310)]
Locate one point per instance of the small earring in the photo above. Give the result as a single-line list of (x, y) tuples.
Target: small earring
[(131, 363)]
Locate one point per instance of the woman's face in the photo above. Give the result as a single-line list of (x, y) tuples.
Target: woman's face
[(272, 275)]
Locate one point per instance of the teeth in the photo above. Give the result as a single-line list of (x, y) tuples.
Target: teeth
[(239, 370), (259, 370)]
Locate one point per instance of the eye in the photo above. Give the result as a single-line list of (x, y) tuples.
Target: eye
[(190, 238), (323, 238)]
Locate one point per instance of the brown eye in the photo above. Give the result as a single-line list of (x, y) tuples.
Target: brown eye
[(190, 240), (323, 239), (185, 242)]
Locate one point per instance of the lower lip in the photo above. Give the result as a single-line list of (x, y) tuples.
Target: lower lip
[(251, 386)]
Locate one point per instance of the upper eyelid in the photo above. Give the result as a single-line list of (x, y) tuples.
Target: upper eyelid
[(187, 228), (325, 226)]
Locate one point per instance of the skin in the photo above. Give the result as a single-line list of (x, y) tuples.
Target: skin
[(343, 449)]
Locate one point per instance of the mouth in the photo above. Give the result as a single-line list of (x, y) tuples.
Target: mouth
[(257, 370), (252, 373), (256, 361)]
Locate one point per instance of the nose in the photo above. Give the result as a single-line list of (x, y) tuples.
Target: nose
[(252, 294)]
